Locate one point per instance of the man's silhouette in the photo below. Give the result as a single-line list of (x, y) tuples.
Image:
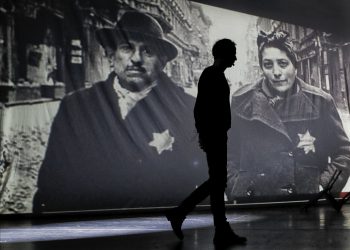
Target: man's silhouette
[(213, 120)]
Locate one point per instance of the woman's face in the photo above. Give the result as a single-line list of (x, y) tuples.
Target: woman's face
[(278, 69)]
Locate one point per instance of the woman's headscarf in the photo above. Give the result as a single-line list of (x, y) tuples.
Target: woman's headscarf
[(276, 39)]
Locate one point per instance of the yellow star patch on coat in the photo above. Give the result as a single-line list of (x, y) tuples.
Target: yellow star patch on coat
[(162, 141), (307, 142)]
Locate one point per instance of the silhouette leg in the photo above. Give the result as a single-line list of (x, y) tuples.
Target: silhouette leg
[(217, 163), (197, 196), (215, 187), (177, 215)]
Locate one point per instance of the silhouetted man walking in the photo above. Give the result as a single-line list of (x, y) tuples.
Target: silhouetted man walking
[(213, 119)]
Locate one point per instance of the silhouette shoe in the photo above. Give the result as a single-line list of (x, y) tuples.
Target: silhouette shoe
[(176, 221), (224, 237)]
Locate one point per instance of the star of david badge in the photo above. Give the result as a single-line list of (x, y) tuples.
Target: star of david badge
[(306, 142), (162, 141)]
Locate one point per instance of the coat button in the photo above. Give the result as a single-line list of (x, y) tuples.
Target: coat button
[(290, 190), (290, 154), (249, 192)]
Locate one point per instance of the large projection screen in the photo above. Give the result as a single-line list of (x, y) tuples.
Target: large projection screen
[(97, 105)]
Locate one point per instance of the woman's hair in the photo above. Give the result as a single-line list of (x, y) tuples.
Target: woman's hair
[(223, 48), (276, 39)]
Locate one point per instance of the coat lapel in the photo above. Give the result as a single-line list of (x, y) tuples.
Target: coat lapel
[(255, 107), (251, 104)]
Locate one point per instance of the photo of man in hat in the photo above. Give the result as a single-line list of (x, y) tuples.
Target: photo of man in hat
[(124, 142)]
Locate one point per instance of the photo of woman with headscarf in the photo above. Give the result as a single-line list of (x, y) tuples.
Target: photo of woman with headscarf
[(287, 136)]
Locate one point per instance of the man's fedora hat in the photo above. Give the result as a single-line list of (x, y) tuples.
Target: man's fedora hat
[(138, 25)]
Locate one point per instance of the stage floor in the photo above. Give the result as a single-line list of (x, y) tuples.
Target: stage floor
[(270, 228)]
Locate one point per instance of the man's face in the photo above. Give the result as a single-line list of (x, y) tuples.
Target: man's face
[(278, 69), (231, 59), (137, 64)]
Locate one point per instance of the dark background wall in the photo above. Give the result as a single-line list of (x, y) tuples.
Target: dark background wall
[(326, 15)]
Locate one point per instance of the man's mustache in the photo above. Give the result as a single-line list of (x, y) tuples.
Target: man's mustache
[(136, 68)]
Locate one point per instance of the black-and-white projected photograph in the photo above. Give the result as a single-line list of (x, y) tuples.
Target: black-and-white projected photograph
[(97, 100)]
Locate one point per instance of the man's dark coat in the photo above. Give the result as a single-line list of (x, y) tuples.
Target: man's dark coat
[(97, 160)]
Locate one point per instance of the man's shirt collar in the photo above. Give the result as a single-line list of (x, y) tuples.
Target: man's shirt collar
[(127, 99)]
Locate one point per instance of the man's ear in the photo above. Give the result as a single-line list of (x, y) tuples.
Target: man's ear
[(163, 61), (109, 52)]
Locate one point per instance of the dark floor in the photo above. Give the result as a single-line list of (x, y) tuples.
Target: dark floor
[(266, 228)]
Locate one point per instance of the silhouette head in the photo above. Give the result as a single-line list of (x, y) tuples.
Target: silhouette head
[(224, 50)]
